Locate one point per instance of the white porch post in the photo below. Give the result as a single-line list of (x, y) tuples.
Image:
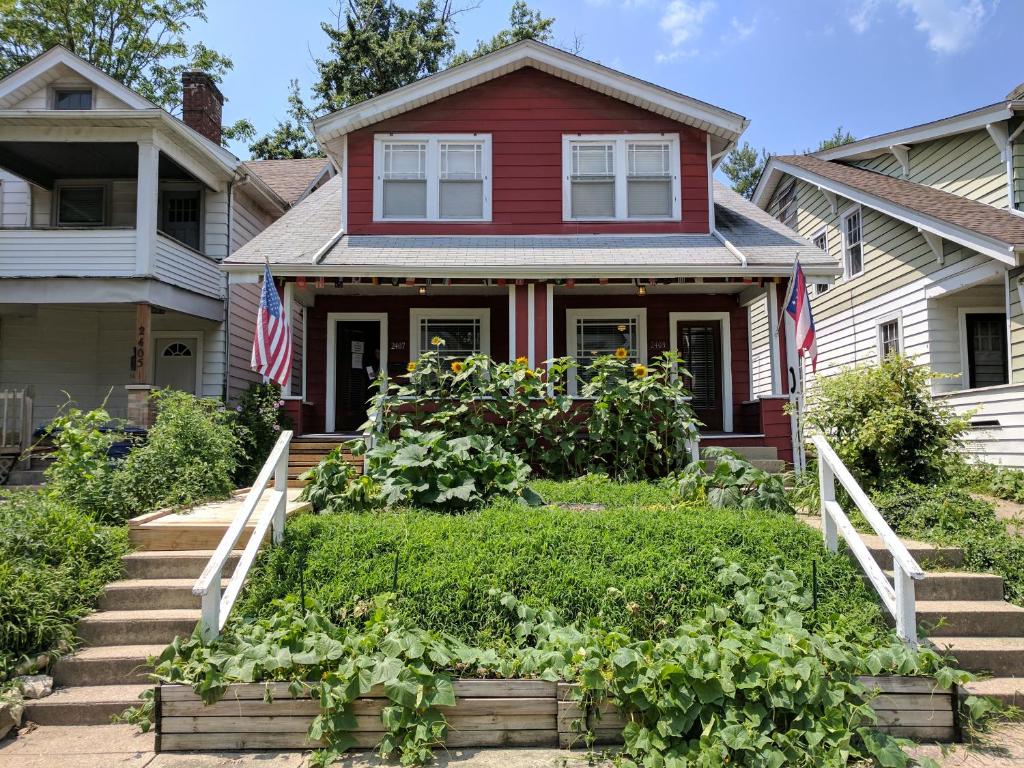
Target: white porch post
[(773, 338), (147, 192)]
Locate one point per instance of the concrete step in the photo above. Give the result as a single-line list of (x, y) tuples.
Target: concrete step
[(926, 555), (970, 618), (136, 627), (1007, 690), (167, 564), (957, 585), (21, 477), (146, 594), (751, 452), (993, 655), (83, 705), (105, 665)]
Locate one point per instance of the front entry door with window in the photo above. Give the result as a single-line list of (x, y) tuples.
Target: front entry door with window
[(700, 347), (358, 362), (175, 364)]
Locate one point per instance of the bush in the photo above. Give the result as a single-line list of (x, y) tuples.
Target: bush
[(82, 474), (54, 563), (333, 484), (258, 421), (883, 422), (188, 457), (644, 558), (733, 482)]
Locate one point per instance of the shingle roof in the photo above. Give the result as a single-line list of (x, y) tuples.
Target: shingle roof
[(288, 178), (300, 234), (985, 220)]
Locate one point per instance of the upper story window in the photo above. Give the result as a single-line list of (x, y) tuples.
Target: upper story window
[(785, 205), (621, 178), (72, 98), (432, 178), (181, 215), (81, 206), (821, 242), (853, 245)]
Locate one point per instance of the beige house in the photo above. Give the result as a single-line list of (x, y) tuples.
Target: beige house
[(928, 225), (114, 219)]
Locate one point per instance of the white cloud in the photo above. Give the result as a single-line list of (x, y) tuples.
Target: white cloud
[(683, 20), (741, 30), (950, 25)]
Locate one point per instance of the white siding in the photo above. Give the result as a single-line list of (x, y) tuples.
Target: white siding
[(760, 350), (64, 77), (180, 265), (216, 236), (1001, 443), (67, 253), (42, 202), (15, 208)]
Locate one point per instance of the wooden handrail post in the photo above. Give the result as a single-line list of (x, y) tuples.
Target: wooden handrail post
[(281, 486), (906, 606), (827, 491), (211, 611)]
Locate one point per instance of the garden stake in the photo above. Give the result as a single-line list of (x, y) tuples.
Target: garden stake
[(394, 574), (814, 587)]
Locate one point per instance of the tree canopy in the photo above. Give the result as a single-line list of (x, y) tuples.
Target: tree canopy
[(292, 138), (837, 139), (524, 23), (743, 166)]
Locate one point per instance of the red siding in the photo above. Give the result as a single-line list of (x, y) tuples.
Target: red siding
[(526, 113)]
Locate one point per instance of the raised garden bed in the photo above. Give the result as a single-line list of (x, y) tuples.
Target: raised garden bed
[(487, 713)]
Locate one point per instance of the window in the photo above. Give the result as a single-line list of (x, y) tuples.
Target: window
[(785, 205), (853, 253), (81, 206), (621, 177), (177, 349), (593, 333), (430, 178), (821, 242), (72, 98), (465, 332), (985, 338), (889, 338)]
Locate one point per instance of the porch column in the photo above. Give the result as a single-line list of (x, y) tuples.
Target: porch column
[(530, 322), (147, 192), (139, 408), (778, 364)]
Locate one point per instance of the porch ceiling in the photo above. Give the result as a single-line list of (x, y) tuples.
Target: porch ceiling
[(43, 162)]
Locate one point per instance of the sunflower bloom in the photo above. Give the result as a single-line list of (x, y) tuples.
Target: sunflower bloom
[(522, 360), (457, 366), (531, 374), (410, 366), (437, 341), (639, 371), (621, 353)]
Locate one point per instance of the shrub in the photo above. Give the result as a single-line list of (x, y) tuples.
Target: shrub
[(733, 482), (333, 483), (883, 422), (644, 558), (54, 562), (82, 473), (258, 421), (188, 457)]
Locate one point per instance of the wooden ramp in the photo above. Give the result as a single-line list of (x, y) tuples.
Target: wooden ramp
[(201, 527)]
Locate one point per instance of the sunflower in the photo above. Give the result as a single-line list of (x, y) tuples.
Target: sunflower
[(410, 366), (437, 341), (531, 374), (621, 353), (522, 360), (639, 371), (457, 366)]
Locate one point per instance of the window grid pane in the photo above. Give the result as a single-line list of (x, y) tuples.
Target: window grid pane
[(854, 255), (405, 161), (461, 336), (649, 160), (821, 242), (890, 338), (601, 336), (462, 162), (593, 159)]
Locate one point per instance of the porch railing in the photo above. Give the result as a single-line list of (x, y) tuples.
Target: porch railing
[(215, 606), (15, 420), (898, 597)]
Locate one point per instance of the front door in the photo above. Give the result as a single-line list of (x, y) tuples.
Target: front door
[(175, 364), (700, 347), (358, 363)]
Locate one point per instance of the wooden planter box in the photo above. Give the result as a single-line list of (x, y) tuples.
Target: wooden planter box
[(487, 713)]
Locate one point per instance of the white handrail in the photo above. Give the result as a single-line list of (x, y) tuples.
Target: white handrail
[(215, 607), (897, 597)]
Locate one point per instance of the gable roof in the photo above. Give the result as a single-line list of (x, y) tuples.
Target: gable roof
[(983, 228), (531, 53), (292, 178), (306, 241)]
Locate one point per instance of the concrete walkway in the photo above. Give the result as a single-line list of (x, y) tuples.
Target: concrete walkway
[(122, 746)]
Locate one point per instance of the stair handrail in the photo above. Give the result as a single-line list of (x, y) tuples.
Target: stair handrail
[(897, 597), (216, 606)]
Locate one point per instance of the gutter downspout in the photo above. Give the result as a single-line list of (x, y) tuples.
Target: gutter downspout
[(712, 224), (324, 249), (730, 247), (226, 381)]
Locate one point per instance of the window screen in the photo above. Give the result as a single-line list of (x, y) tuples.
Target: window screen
[(405, 181), (593, 181), (649, 181), (889, 338), (461, 336), (461, 184), (72, 99), (80, 206), (854, 252)]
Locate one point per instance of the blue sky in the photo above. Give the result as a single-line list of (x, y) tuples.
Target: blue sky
[(796, 69)]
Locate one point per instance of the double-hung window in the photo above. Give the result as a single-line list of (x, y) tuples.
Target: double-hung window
[(463, 332), (621, 177), (853, 243), (432, 178), (821, 242), (593, 333), (889, 341), (785, 205)]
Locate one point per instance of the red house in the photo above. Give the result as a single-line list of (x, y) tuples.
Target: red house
[(533, 203)]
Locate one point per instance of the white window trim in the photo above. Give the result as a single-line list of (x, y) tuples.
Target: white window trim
[(852, 210), (724, 318), (333, 318), (196, 336), (823, 231), (51, 98), (963, 312), (885, 319), (433, 172), (637, 314), (621, 140), (417, 315)]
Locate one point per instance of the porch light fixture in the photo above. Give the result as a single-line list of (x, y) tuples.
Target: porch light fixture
[(423, 290), (641, 290)]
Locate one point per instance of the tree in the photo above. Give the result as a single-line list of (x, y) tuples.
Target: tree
[(524, 23), (837, 139), (140, 43), (292, 138), (743, 166)]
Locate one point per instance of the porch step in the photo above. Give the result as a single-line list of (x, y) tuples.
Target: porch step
[(185, 536), (994, 655), (170, 564), (750, 452), (970, 618), (21, 477), (146, 594), (1007, 690), (926, 555), (105, 665), (957, 585), (137, 627), (83, 705)]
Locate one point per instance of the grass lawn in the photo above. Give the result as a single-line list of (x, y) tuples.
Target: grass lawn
[(630, 553)]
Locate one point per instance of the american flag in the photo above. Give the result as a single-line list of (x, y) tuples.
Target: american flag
[(272, 346), (799, 308)]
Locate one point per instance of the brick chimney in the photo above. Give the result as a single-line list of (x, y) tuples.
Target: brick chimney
[(202, 103)]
